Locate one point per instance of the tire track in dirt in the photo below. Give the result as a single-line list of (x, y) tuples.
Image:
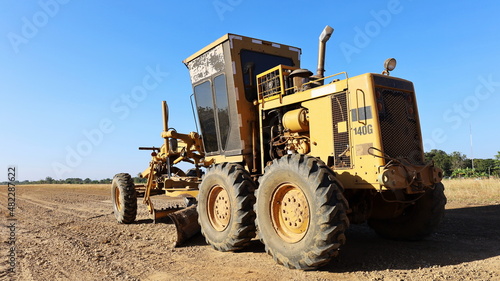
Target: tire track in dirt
[(74, 209), (55, 237)]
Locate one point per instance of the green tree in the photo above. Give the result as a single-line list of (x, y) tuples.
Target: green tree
[(108, 180), (457, 160), (441, 159), (74, 180), (484, 165), (497, 160)]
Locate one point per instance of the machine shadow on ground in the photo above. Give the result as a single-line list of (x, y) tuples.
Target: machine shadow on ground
[(465, 235)]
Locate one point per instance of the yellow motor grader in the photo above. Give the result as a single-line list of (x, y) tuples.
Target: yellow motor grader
[(290, 156)]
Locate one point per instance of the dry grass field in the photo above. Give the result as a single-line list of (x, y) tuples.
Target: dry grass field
[(473, 191)]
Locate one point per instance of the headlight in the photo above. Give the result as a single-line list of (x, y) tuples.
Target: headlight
[(389, 64)]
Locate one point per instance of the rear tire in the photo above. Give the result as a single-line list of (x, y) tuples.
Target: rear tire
[(124, 198), (225, 207), (301, 212), (417, 221)]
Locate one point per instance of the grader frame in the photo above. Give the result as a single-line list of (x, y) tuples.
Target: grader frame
[(292, 156)]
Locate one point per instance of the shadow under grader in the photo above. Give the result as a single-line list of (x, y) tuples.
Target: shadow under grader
[(144, 221), (465, 235), (255, 246)]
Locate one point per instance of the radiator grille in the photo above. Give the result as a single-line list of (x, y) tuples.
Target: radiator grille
[(399, 127), (340, 139)]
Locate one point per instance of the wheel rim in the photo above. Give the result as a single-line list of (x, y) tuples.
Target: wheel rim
[(219, 208), (290, 212), (117, 199)]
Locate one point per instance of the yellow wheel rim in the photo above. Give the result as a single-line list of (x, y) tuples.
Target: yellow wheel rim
[(219, 208), (290, 212), (117, 199)]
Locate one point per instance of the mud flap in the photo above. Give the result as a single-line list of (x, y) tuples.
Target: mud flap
[(186, 224)]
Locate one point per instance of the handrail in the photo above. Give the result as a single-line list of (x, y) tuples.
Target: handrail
[(271, 83)]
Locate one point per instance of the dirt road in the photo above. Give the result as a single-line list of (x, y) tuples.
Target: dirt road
[(69, 233)]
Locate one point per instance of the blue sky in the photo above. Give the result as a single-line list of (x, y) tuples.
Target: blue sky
[(69, 68)]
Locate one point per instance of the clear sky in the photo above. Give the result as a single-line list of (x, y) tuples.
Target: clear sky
[(68, 69)]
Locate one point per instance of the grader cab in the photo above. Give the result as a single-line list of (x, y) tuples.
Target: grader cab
[(291, 156)]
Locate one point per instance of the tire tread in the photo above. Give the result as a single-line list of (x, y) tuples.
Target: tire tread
[(332, 219)]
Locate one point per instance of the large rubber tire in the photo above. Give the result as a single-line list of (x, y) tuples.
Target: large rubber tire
[(301, 212), (124, 198), (225, 207), (417, 221)]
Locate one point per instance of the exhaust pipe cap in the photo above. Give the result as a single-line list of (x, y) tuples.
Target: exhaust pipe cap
[(326, 34)]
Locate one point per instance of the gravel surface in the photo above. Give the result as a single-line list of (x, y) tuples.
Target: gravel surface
[(70, 233)]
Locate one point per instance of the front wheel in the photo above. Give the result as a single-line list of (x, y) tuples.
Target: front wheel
[(225, 207), (301, 212), (417, 220), (124, 198)]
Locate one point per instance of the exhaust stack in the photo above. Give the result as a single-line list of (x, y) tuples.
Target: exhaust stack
[(323, 38)]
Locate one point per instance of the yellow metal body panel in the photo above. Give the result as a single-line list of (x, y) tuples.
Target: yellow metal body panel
[(364, 133), (222, 159), (360, 122), (182, 193), (321, 142)]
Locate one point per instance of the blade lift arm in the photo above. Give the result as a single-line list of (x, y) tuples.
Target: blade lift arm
[(176, 148)]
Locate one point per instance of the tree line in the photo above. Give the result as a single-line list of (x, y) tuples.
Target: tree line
[(457, 165), (50, 180)]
